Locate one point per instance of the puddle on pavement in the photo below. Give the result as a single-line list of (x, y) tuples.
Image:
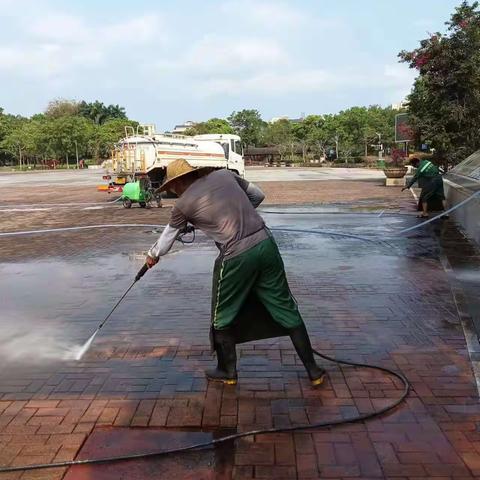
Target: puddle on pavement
[(50, 308)]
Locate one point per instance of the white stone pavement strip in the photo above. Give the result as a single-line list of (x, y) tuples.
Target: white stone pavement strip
[(272, 174)]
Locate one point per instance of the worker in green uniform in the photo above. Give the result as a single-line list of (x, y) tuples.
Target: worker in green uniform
[(249, 269), (428, 176)]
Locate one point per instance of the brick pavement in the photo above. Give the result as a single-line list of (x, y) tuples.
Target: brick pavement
[(360, 301), (369, 194)]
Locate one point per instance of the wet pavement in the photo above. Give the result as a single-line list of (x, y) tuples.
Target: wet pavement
[(208, 464), (366, 294)]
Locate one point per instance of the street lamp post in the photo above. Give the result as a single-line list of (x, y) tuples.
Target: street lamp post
[(380, 146)]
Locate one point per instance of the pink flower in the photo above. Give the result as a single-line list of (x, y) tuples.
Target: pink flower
[(421, 60)]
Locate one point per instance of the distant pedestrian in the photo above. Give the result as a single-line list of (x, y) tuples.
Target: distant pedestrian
[(428, 176)]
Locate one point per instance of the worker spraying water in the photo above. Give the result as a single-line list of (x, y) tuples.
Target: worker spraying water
[(251, 298)]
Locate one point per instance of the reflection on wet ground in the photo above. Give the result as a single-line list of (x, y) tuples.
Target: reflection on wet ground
[(461, 259), (52, 304), (50, 307)]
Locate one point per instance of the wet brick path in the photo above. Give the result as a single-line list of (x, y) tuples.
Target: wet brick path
[(387, 303)]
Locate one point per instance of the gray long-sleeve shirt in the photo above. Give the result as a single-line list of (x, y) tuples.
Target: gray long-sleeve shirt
[(222, 205)]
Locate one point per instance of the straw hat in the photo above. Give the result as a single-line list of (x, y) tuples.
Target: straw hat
[(176, 169)]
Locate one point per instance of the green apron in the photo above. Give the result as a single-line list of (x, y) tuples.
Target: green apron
[(251, 296)]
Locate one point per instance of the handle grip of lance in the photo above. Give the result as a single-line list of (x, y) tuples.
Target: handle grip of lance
[(141, 272)]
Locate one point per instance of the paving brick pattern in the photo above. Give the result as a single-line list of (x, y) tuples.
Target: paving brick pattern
[(365, 194), (386, 303)]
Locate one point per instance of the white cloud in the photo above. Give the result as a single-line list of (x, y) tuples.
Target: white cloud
[(268, 83), (399, 79), (396, 79), (399, 74), (45, 60), (56, 44), (138, 30), (58, 27), (266, 14), (73, 29), (215, 52)]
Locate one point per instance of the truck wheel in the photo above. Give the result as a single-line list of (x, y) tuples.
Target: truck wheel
[(142, 204), (157, 198), (127, 203)]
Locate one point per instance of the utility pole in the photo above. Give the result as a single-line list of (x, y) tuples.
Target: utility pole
[(336, 145), (76, 153)]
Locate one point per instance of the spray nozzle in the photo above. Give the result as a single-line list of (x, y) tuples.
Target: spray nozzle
[(141, 272)]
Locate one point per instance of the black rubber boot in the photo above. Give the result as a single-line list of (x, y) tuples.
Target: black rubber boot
[(226, 371), (301, 342)]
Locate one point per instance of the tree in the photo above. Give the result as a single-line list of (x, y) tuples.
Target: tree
[(214, 125), (8, 122), (61, 107), (116, 112), (15, 142), (315, 135), (104, 137), (99, 113), (249, 125), (61, 133), (301, 131), (69, 135), (279, 134), (32, 141), (444, 104)]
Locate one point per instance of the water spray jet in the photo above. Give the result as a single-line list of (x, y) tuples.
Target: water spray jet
[(84, 348)]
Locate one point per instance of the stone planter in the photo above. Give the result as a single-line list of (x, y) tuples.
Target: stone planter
[(395, 172), (395, 176)]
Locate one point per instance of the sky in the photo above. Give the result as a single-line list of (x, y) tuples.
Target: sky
[(168, 62)]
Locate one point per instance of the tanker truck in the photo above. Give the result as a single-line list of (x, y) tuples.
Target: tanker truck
[(141, 157)]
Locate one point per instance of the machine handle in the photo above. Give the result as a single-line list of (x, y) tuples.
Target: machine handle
[(141, 272)]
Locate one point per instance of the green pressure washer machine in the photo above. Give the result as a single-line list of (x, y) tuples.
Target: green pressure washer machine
[(140, 191)]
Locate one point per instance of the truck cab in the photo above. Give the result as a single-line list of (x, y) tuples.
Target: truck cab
[(232, 146)]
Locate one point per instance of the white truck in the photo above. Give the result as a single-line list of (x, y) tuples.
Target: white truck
[(143, 153)]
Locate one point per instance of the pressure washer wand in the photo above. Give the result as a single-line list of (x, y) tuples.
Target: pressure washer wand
[(138, 276), (87, 344)]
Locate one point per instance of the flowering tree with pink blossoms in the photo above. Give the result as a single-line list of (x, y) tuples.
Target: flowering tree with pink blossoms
[(444, 103)]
